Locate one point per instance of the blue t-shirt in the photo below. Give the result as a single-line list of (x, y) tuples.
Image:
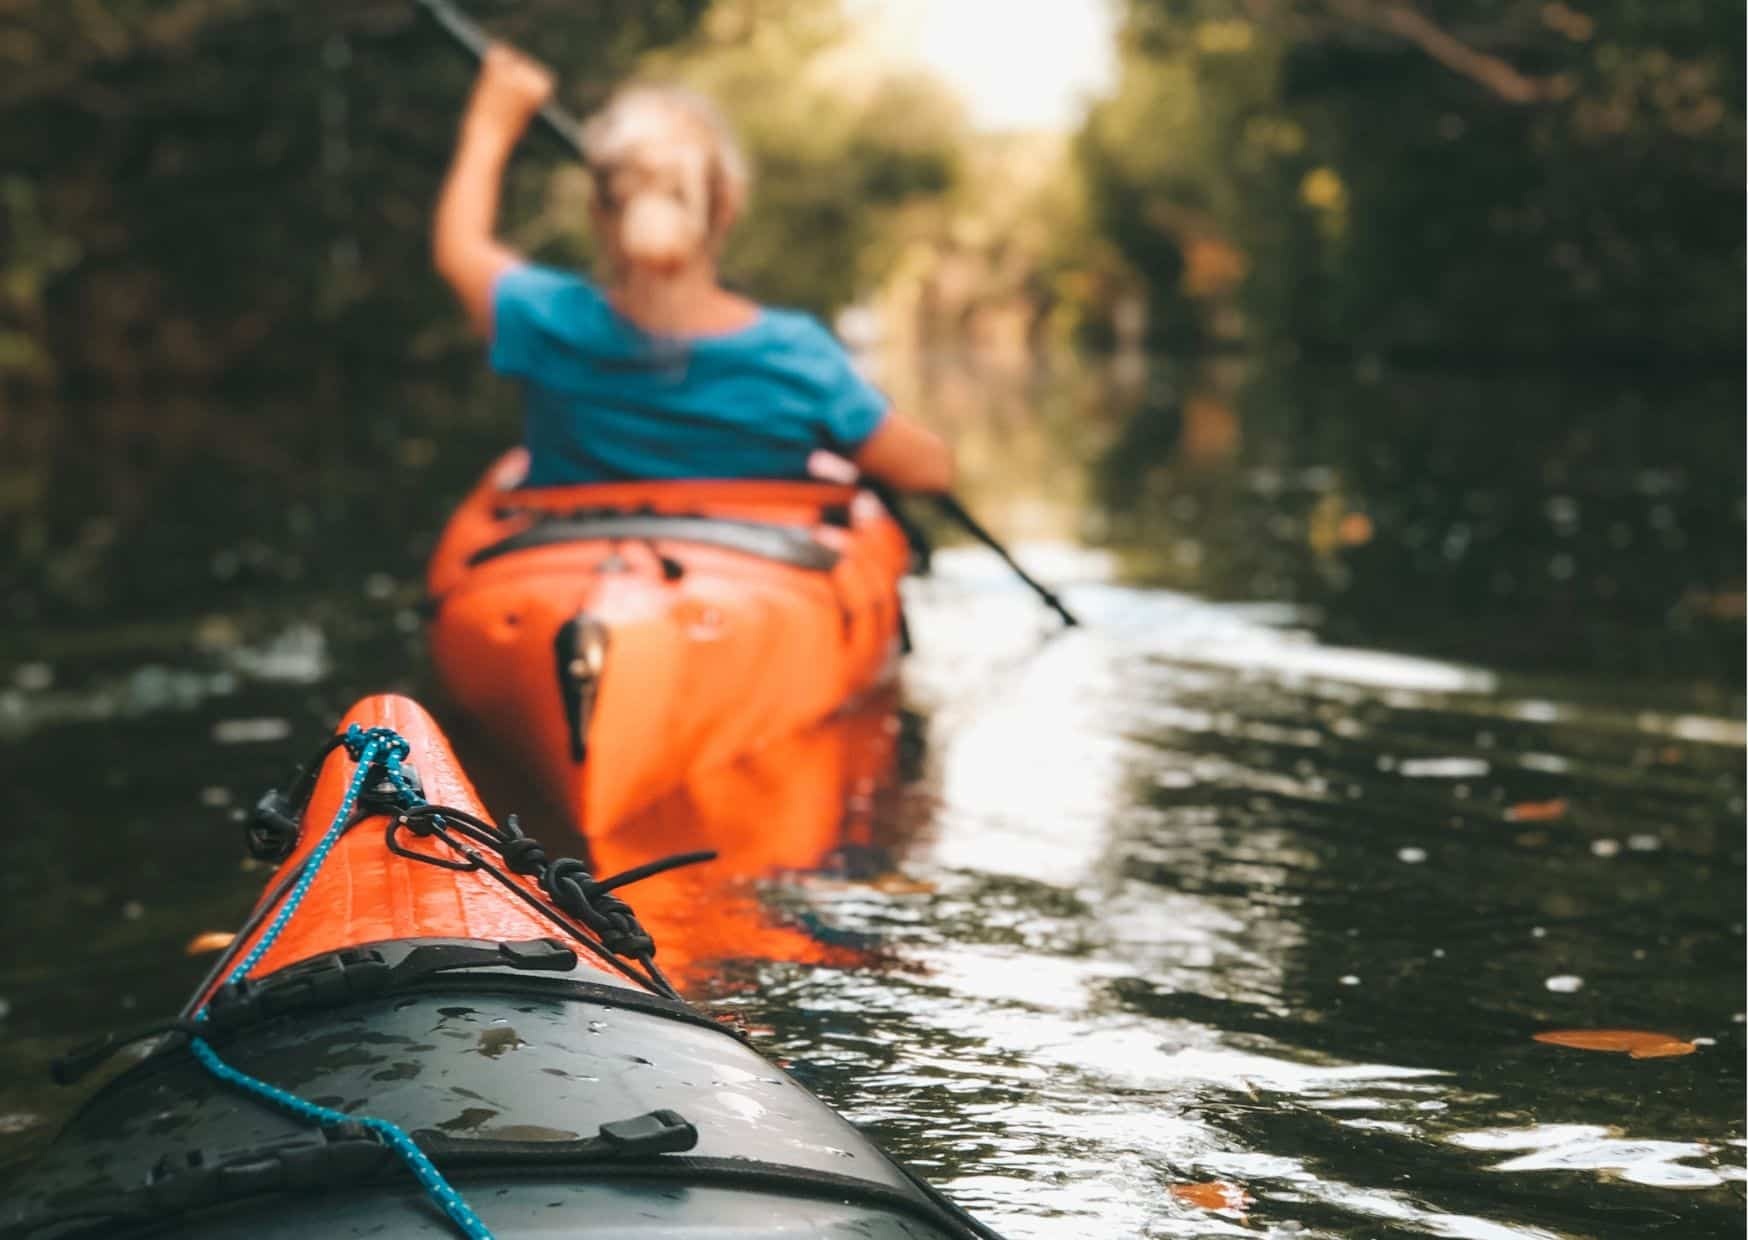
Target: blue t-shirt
[(607, 401)]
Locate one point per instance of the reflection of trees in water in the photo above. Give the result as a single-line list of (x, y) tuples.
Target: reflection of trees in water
[(125, 509), (1516, 517), (1411, 912), (1289, 830), (1519, 517)]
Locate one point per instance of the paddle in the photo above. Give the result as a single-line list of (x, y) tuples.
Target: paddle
[(949, 505), (468, 35), (956, 512)]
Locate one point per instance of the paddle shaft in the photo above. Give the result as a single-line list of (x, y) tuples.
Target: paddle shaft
[(950, 505), (468, 36)]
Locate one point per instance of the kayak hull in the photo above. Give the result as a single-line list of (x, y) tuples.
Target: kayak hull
[(557, 1094), (622, 638)]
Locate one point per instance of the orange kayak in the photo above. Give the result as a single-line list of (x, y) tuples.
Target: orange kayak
[(430, 1027), (623, 637)]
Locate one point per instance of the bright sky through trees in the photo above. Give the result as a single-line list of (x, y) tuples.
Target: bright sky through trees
[(1018, 64)]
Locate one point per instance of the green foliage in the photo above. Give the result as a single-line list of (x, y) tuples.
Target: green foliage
[(837, 146), (205, 192), (1524, 178)]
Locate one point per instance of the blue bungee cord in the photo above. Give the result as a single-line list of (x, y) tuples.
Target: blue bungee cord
[(366, 747)]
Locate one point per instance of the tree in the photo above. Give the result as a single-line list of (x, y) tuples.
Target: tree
[(225, 191), (839, 142), (1522, 177)]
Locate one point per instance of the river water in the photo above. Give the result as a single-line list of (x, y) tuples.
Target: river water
[(1405, 723)]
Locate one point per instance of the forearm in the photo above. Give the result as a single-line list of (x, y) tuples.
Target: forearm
[(908, 455), (467, 210), (511, 88), (464, 245)]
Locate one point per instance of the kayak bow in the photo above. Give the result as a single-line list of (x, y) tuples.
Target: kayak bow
[(410, 989)]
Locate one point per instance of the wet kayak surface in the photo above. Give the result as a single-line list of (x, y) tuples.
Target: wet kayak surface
[(1236, 911)]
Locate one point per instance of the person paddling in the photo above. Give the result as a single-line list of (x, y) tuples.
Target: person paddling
[(660, 372)]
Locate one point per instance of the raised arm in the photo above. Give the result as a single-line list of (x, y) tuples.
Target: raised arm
[(907, 454), (464, 246)]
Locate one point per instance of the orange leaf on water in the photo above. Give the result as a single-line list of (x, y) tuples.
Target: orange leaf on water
[(209, 941), (1537, 811), (895, 884), (1354, 529), (1213, 1195), (1638, 1043)]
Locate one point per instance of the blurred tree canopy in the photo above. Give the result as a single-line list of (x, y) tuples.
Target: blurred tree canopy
[(1500, 177), (196, 192), (839, 144), (201, 193)]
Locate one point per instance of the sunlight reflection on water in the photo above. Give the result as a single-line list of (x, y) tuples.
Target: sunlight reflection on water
[(1123, 974)]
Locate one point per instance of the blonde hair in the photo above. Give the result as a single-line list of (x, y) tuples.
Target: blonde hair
[(701, 173)]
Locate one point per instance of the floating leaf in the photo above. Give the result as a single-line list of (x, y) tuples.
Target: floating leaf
[(1638, 1043), (1537, 811), (209, 941), (1354, 530), (896, 884), (1212, 1195)]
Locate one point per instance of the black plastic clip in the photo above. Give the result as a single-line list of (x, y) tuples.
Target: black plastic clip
[(337, 978), (658, 1132), (326, 981), (273, 828), (344, 1153), (355, 973)]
